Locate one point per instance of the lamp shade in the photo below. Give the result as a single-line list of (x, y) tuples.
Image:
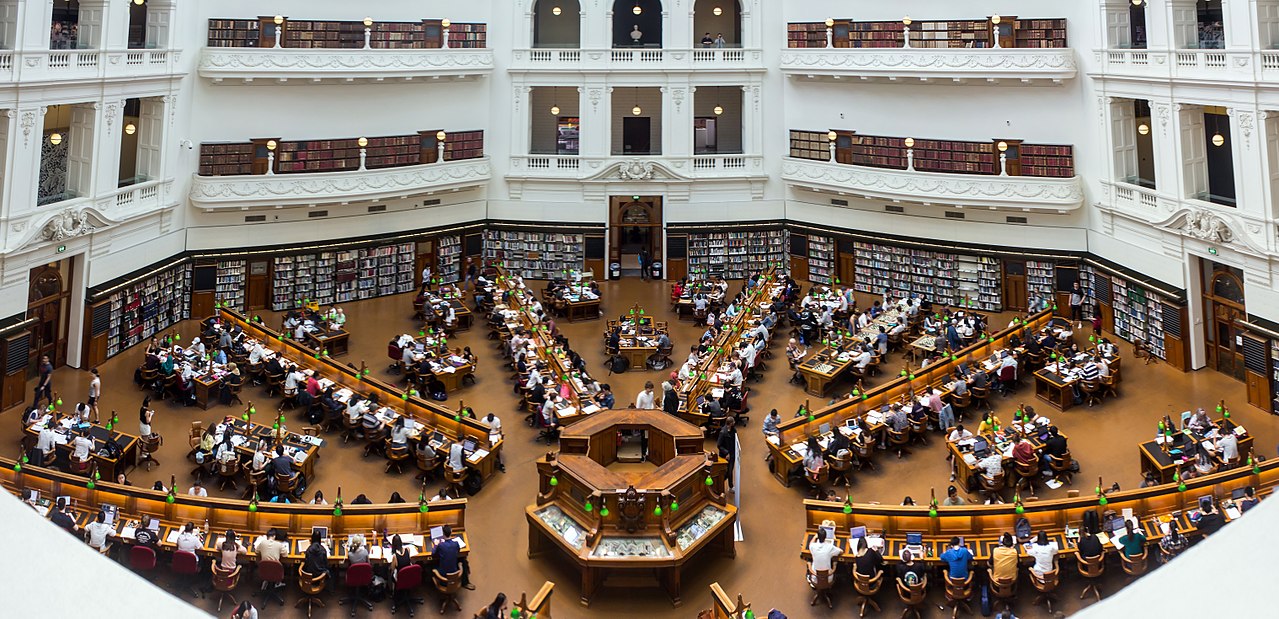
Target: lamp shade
[(440, 135), (1218, 139), (130, 128), (829, 22), (831, 135), (910, 142), (1143, 129), (637, 110), (556, 11), (555, 110), (270, 144), (906, 20), (362, 142), (445, 23), (279, 19), (717, 11), (994, 19), (368, 21), (55, 138), (1002, 146), (637, 10), (718, 110)]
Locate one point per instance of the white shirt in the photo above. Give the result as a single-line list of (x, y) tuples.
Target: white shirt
[(95, 387), (292, 379), (1043, 555), (455, 457), (82, 447), (646, 400), (956, 435), (48, 438), (188, 542), (823, 554), (1229, 446), (98, 532), (255, 356), (198, 491), (495, 428)]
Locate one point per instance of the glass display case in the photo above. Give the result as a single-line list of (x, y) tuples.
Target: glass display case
[(621, 547), (566, 527), (698, 525)]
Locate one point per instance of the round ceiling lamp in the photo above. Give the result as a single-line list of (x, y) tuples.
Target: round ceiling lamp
[(636, 111), (555, 110), (717, 11), (637, 10), (130, 128), (556, 11), (1218, 139), (719, 109), (55, 138), (1143, 129), (831, 135)]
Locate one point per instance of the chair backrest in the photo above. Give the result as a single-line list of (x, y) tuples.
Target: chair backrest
[(447, 583), (141, 558), (224, 579), (185, 563), (1091, 567), (912, 594), (1134, 565), (359, 575), (1002, 588), (1026, 469), (868, 585), (270, 571), (1044, 582), (408, 577), (312, 585), (822, 580), (1060, 463), (958, 589)]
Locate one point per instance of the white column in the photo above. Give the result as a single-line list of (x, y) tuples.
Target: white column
[(82, 143), (522, 120), (752, 124), (115, 25), (677, 120), (1166, 145), (1247, 144), (106, 150), (595, 99), (22, 178)]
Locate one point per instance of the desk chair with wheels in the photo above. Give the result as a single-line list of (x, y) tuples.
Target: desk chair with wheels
[(197, 432), (287, 484), (918, 431), (980, 397), (1008, 380), (821, 582), (228, 471), (913, 596), (866, 588), (1134, 566), (1004, 591), (80, 467), (1091, 391), (841, 469), (351, 429), (1027, 475), (865, 453), (1045, 584), (186, 566), (311, 587), (1110, 385), (407, 580), (898, 440), (224, 582), (428, 463), (447, 585), (142, 559), (358, 578), (1061, 467), (817, 482), (271, 575), (1092, 570), (958, 593), (992, 487), (150, 445), (960, 404)]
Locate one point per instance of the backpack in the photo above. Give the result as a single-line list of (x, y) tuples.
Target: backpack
[(618, 365), (1091, 523), (985, 601), (472, 484), (1022, 528)]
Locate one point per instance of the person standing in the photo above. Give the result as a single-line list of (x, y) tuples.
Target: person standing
[(472, 274), (720, 43), (426, 275), (1076, 304), (643, 264), (95, 392), (44, 388)]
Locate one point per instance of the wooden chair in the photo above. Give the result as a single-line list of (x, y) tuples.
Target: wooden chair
[(148, 378), (1134, 566), (1060, 466), (351, 429), (821, 582), (958, 593), (960, 404), (428, 463), (992, 487), (865, 453), (980, 397), (1091, 390), (1045, 584), (866, 588), (227, 472), (817, 482), (287, 484), (454, 480), (1092, 570), (919, 431), (150, 445), (377, 441), (235, 393), (197, 432), (898, 440), (841, 469), (80, 467), (224, 582), (311, 587), (1027, 475), (447, 585), (1004, 591), (396, 456), (913, 596), (1110, 385), (290, 400)]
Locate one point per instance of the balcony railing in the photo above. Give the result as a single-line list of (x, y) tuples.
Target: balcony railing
[(939, 65), (317, 188), (1192, 64), (318, 64), (718, 59), (87, 64), (654, 167), (1020, 193)]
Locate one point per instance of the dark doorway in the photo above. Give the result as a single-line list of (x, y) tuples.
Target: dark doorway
[(635, 225), (1224, 305), (49, 304), (637, 23), (636, 136)]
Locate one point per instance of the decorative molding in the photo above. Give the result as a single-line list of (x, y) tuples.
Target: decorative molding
[(261, 191), (1245, 126), (677, 95), (28, 123), (636, 171), (928, 63), (1044, 195), (1163, 111), (319, 64), (67, 224)]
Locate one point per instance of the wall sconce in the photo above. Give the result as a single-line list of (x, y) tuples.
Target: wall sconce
[(279, 19), (130, 129), (139, 2), (1218, 139), (55, 138), (1143, 129), (1136, 2)]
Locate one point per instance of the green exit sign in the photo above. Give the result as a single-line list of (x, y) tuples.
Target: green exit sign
[(1212, 250), (62, 248)]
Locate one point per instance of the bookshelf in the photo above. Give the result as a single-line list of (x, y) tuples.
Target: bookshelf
[(393, 151), (811, 145), (226, 159), (1274, 376), (340, 276), (806, 35), (397, 35), (977, 282), (468, 36), (230, 286), (1040, 33), (939, 156), (904, 272), (535, 255), (1138, 315), (148, 307), (317, 156), (233, 33), (735, 255), (304, 34), (1041, 284), (1047, 161), (449, 259), (463, 145), (821, 259)]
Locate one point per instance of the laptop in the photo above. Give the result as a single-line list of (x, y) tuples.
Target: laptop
[(323, 531), (857, 532), (1238, 493), (980, 446), (823, 429), (468, 445), (914, 539), (830, 532)]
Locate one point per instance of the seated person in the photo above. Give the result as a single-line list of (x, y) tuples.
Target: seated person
[(823, 552)]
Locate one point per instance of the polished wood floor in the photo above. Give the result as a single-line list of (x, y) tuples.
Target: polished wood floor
[(767, 568)]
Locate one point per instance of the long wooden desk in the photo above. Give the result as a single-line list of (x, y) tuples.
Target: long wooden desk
[(108, 467), (966, 472), (436, 417), (1164, 464), (336, 343), (1058, 390), (981, 525), (297, 519)]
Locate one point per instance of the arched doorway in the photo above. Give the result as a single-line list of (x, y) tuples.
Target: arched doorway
[(635, 226), (557, 24), (708, 24), (1224, 307), (49, 304), (637, 23)]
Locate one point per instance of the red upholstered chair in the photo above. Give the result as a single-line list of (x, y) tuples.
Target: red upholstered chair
[(358, 577), (407, 580), (186, 566), (271, 575), (142, 559)]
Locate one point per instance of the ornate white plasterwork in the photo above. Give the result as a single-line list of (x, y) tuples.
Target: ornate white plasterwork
[(259, 191), (1019, 192), (961, 63), (267, 63)]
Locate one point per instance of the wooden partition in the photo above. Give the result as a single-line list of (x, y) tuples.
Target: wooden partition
[(933, 376), (238, 515), (724, 608), (425, 411)]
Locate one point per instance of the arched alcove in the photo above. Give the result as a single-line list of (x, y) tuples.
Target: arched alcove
[(557, 23), (637, 23)]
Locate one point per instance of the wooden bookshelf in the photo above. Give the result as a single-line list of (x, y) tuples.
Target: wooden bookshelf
[(317, 156), (806, 35), (468, 36), (449, 259), (226, 159), (463, 145), (811, 145), (339, 276), (234, 33), (230, 285), (1033, 33), (821, 259), (145, 308), (324, 34), (930, 34), (535, 255), (393, 151), (735, 255), (397, 35), (1056, 161)]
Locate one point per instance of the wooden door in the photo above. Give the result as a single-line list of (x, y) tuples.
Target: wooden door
[(799, 268), (48, 303), (425, 258), (847, 268), (1016, 296), (266, 31), (258, 284), (1003, 31)]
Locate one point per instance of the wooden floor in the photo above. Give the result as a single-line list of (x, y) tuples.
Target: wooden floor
[(767, 568)]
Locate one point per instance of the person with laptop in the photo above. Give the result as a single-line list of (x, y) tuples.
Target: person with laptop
[(1003, 559), (1133, 540), (868, 561), (448, 559), (1044, 553), (824, 552), (98, 533), (316, 559), (958, 558), (909, 571), (1210, 518)]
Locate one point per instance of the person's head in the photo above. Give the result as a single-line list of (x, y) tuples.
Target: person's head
[(908, 501), (448, 531), (101, 517), (121, 479), (648, 385), (952, 491), (189, 527), (955, 542), (959, 427), (498, 604), (1006, 540), (774, 413), (319, 496), (1250, 492), (906, 556), (813, 445), (396, 498), (1128, 527), (158, 485), (862, 546), (1042, 538), (821, 533), (1052, 431), (315, 536), (196, 484)]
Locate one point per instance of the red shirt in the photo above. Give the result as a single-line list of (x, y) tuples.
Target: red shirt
[(312, 386)]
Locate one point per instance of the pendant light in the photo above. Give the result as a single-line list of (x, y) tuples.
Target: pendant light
[(130, 128), (717, 11), (1143, 129), (1218, 139), (555, 107), (637, 10), (636, 111), (556, 11), (719, 109), (55, 138)]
